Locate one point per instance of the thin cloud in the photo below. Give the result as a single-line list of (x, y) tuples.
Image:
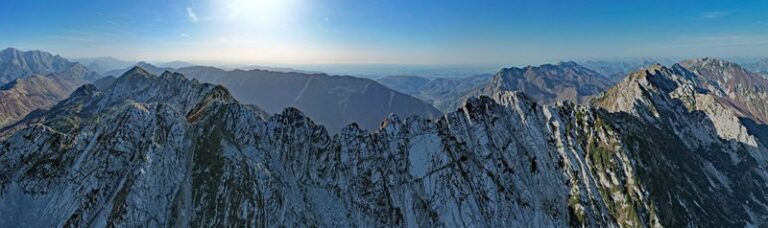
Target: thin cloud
[(714, 14), (191, 14), (184, 35)]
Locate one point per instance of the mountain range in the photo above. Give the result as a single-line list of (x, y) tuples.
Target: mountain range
[(547, 83), (759, 65), (442, 93), (616, 69), (553, 145), (332, 101), (102, 65), (166, 150), (143, 65)]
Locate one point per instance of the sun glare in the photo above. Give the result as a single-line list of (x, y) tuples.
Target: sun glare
[(250, 29), (260, 12)]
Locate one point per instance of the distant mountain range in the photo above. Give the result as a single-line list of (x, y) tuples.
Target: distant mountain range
[(547, 83), (268, 68), (443, 93), (617, 69), (758, 65), (115, 67), (102, 65), (333, 101), (143, 65), (177, 64)]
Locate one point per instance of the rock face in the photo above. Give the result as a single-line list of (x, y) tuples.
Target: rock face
[(714, 159), (164, 150), (547, 83), (442, 93), (333, 101)]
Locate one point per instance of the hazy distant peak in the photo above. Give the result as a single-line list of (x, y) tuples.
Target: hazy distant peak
[(21, 64), (136, 70), (135, 75), (144, 64), (177, 64), (568, 63), (138, 74), (32, 54), (709, 62), (556, 70)]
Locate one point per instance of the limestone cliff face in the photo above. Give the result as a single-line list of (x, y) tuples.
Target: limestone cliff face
[(164, 150), (708, 155)]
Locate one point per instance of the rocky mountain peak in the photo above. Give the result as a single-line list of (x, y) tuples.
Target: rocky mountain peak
[(745, 90), (87, 90), (547, 83), (8, 52), (568, 71), (710, 61), (722, 71), (568, 64), (137, 71), (647, 90), (715, 67)]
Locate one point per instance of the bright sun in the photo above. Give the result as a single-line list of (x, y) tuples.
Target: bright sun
[(260, 12), (248, 28)]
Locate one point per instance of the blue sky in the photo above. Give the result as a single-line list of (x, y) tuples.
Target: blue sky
[(386, 32)]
